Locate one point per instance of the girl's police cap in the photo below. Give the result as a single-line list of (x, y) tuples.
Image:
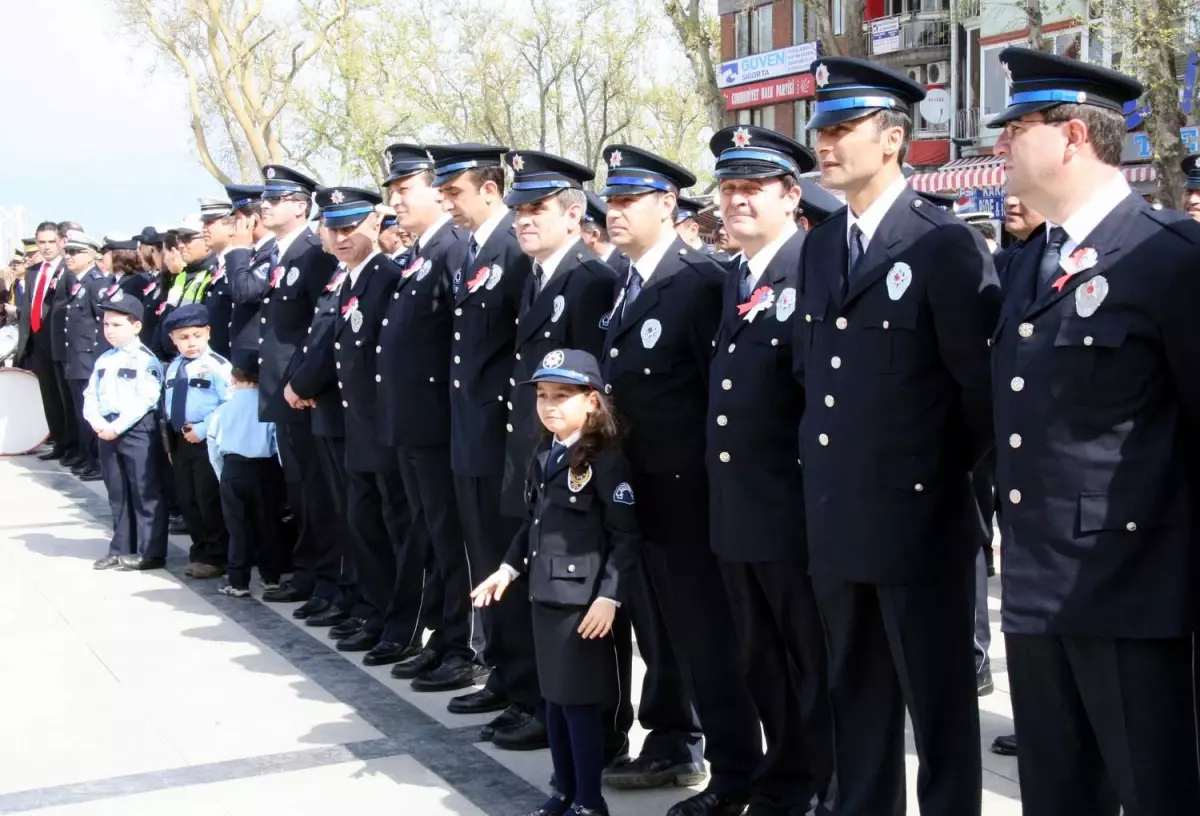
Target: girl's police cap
[(569, 367)]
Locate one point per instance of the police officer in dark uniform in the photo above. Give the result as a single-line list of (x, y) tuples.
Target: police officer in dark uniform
[(656, 360), (816, 204), (247, 264), (217, 216), (299, 272), (58, 295), (84, 326), (898, 299), (147, 284), (686, 224), (1097, 407), (595, 236), (755, 485), (487, 299), (414, 414)]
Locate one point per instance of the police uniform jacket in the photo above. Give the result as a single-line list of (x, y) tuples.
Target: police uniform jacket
[(58, 296), (295, 284), (1000, 259), (656, 359), (1096, 398), (84, 323), (355, 341), (619, 262), (145, 287), (249, 273), (486, 306), (312, 372), (754, 406), (897, 380), (414, 345), (219, 301), (568, 313)]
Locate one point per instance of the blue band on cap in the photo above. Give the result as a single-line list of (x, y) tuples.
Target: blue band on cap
[(346, 213), (853, 102), (562, 372), (238, 203), (684, 215), (1072, 97), (759, 154), (388, 222), (283, 188), (551, 184), (625, 180), (459, 166)]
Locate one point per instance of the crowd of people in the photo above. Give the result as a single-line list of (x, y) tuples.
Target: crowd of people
[(495, 426)]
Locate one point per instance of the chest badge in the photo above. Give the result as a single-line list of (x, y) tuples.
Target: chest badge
[(560, 304), (293, 276), (786, 304), (424, 270), (119, 296), (898, 280), (761, 299), (494, 276), (651, 331), (1080, 260), (577, 480), (412, 267), (1090, 295), (260, 271), (276, 277)]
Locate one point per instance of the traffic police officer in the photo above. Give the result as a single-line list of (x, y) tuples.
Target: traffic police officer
[(897, 302), (83, 321), (247, 265), (757, 522), (299, 273), (1097, 405), (656, 359)]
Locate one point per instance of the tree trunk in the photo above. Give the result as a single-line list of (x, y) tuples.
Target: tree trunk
[(1033, 14), (855, 39), (1165, 119), (694, 30)]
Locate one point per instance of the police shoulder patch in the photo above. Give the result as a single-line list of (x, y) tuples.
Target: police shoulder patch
[(623, 494)]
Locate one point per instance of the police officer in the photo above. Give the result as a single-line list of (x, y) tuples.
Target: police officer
[(1096, 404), (299, 273), (247, 264), (487, 299), (816, 204), (595, 236), (1191, 194), (219, 222), (389, 233), (147, 285), (414, 413), (757, 522), (898, 300), (687, 226), (656, 360), (83, 324), (58, 296)]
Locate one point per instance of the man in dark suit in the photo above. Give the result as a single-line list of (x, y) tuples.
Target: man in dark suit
[(755, 480), (898, 300), (35, 342), (1097, 407), (414, 417), (656, 360), (216, 214), (299, 272)]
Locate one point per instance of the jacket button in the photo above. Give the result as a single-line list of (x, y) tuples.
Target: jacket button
[(829, 400), (1131, 526), (457, 359), (823, 439), (337, 346), (886, 324), (774, 341), (919, 487), (572, 500), (1014, 496), (645, 371), (722, 420), (458, 313), (724, 457), (1017, 383), (570, 567), (431, 379), (456, 385), (836, 362), (396, 296), (1025, 330), (841, 323), (378, 378), (509, 427), (732, 346), (500, 397), (345, 404), (547, 334), (727, 384), (458, 335), (262, 320), (511, 381), (337, 365), (509, 404), (385, 321), (808, 318), (1087, 341), (608, 388), (1014, 441), (614, 352), (378, 349), (518, 355)]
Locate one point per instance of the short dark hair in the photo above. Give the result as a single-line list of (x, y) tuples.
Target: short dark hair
[(893, 118), (251, 207), (1106, 128), (171, 241), (245, 375), (146, 253), (66, 226), (482, 175), (594, 226), (126, 261), (986, 229), (46, 226)]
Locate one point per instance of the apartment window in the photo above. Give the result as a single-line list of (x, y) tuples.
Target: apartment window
[(837, 13), (1068, 44), (995, 82), (741, 24), (802, 113), (800, 24), (743, 117), (763, 117), (760, 29)]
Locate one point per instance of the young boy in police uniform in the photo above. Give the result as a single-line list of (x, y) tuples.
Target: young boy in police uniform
[(120, 404)]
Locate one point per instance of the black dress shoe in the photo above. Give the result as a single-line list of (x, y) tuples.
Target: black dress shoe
[(1005, 745), (530, 735), (709, 804), (176, 525), (107, 562), (645, 773), (554, 806), (50, 456), (512, 717), (360, 641), (330, 617), (313, 606), (91, 475), (483, 701), (983, 681), (580, 810), (455, 672), (285, 594), (386, 652), (419, 663), (346, 628), (72, 461), (141, 562)]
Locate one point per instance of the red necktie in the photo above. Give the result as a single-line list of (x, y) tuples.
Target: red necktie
[(35, 318)]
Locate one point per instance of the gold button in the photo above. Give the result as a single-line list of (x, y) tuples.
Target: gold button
[(1014, 441), (841, 323), (1025, 330), (836, 362), (1087, 341), (829, 400), (823, 439), (732, 346), (722, 420), (1017, 383), (1014, 496), (613, 352), (727, 384), (919, 487), (724, 456), (1131, 526)]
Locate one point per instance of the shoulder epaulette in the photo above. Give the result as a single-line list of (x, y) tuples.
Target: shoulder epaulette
[(1177, 222), (219, 358)]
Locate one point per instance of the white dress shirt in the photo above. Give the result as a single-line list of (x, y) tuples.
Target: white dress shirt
[(285, 243), (869, 221), (356, 271), (758, 264), (488, 227), (646, 264), (1084, 221), (552, 263), (433, 228)]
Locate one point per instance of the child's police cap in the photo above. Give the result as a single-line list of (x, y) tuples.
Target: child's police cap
[(186, 316), (569, 367), (125, 304)]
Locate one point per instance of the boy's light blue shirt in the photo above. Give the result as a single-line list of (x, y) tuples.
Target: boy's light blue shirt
[(126, 382), (235, 428), (209, 367)]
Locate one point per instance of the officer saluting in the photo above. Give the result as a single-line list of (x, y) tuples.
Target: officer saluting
[(897, 302), (247, 265), (1096, 400), (755, 481)]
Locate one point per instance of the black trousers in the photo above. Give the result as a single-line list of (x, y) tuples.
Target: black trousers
[(507, 627), (331, 453), (66, 406), (315, 559), (250, 504), (86, 436), (199, 496), (892, 647), (40, 363), (380, 528), (1105, 725), (782, 657), (436, 529), (132, 475)]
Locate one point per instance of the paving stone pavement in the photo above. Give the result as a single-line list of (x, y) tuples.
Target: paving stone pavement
[(151, 693)]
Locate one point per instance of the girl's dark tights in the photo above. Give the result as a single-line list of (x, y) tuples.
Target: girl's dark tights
[(577, 748)]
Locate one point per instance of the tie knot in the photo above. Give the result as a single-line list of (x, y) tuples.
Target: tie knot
[(472, 244), (856, 234), (1056, 237)]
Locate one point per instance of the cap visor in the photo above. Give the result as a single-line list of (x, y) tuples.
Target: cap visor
[(335, 221), (749, 170), (563, 380), (626, 189), (824, 119), (1017, 111), (516, 198), (403, 174)]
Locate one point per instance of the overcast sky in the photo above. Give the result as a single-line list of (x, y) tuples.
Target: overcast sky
[(86, 132)]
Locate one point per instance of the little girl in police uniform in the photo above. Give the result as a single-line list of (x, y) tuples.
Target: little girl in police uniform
[(577, 547)]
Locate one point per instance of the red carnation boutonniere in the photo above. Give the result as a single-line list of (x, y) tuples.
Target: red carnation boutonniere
[(351, 306), (760, 300), (1080, 260)]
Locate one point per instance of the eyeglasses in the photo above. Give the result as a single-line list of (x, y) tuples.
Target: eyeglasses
[(1016, 126), (74, 251)]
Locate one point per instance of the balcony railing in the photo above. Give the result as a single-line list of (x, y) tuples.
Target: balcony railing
[(966, 123), (914, 30)]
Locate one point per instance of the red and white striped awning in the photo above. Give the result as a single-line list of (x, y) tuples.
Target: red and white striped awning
[(977, 172)]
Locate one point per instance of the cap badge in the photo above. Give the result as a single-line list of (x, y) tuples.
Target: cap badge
[(898, 280), (741, 137), (338, 197), (518, 162), (429, 155), (271, 172), (822, 75), (761, 299), (578, 481), (1090, 295), (554, 359), (560, 304), (651, 331), (387, 155), (614, 159)]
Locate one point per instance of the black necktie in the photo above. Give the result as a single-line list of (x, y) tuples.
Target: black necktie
[(553, 465), (179, 395), (632, 289), (468, 270), (533, 286), (1048, 269), (856, 253), (743, 282)]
